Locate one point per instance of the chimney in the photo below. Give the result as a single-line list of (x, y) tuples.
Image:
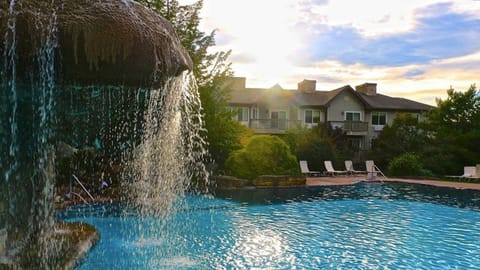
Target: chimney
[(307, 86), (235, 83), (369, 89)]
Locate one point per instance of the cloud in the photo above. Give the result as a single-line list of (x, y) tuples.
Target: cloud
[(435, 37), (413, 49), (242, 58), (370, 18), (414, 73)]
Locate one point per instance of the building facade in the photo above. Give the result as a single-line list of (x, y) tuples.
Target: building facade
[(361, 112)]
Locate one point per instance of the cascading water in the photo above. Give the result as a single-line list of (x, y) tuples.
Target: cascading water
[(62, 80), (27, 131), (171, 149)]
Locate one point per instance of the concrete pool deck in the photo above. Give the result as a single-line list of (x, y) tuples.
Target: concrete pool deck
[(349, 180)]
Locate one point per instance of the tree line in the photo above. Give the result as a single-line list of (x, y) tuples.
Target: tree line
[(443, 144)]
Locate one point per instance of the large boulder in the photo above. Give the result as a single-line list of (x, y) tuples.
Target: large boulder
[(48, 50), (97, 42)]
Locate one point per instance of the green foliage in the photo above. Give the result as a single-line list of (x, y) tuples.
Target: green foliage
[(459, 113), (312, 145), (405, 134), (407, 164), (445, 143), (455, 124), (210, 71), (263, 155)]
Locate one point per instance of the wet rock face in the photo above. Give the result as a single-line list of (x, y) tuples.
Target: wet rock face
[(46, 48), (106, 42)]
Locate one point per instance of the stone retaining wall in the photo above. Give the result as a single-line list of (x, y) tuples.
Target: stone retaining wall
[(264, 181)]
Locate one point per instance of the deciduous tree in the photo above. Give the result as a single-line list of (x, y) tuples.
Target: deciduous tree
[(210, 69)]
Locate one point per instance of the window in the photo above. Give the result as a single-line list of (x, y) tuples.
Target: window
[(255, 113), (279, 119), (353, 116), (312, 116), (241, 113), (379, 118), (416, 116)]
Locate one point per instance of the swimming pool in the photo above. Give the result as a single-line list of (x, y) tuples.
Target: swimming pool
[(364, 226)]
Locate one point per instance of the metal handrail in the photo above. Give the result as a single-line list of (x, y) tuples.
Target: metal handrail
[(83, 187), (80, 196)]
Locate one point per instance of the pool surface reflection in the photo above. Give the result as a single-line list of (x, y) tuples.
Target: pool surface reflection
[(364, 226)]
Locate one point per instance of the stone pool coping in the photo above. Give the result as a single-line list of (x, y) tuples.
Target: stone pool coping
[(350, 180)]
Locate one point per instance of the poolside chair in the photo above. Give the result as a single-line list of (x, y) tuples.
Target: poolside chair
[(372, 170), (330, 170), (349, 168), (306, 171), (477, 171), (468, 172)]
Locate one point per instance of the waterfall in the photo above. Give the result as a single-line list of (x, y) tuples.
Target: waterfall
[(27, 154), (171, 151), (136, 99)]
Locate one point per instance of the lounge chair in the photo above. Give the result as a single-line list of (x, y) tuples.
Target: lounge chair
[(306, 171), (330, 170), (477, 171), (468, 172), (349, 168), (372, 170)]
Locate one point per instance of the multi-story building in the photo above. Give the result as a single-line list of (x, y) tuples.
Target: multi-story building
[(361, 112)]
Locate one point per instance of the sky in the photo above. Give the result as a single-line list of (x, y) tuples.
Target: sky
[(415, 49)]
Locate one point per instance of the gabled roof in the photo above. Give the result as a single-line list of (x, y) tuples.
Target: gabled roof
[(334, 93), (250, 96), (276, 87), (244, 96), (382, 102), (319, 98)]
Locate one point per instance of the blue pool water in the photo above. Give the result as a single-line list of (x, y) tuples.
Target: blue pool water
[(366, 226)]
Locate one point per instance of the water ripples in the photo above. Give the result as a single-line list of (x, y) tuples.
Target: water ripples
[(367, 232)]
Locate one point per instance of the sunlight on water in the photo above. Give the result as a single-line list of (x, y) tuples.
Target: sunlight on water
[(381, 228)]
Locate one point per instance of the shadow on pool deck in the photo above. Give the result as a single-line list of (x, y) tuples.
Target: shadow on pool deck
[(350, 180)]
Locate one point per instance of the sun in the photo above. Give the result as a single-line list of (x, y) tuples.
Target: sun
[(261, 31)]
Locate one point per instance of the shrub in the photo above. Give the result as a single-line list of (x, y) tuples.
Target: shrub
[(263, 155), (316, 150), (407, 164)]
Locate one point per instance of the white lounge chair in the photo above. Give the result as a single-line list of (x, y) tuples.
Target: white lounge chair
[(349, 168), (306, 171), (372, 170), (330, 170), (477, 171), (468, 172)]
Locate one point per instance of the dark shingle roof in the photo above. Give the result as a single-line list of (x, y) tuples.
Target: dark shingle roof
[(251, 96), (318, 98), (383, 102)]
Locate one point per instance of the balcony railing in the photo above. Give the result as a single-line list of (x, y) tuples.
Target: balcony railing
[(356, 127), (279, 126), (273, 126)]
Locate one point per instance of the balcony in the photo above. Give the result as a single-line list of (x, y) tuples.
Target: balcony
[(354, 128), (273, 126)]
